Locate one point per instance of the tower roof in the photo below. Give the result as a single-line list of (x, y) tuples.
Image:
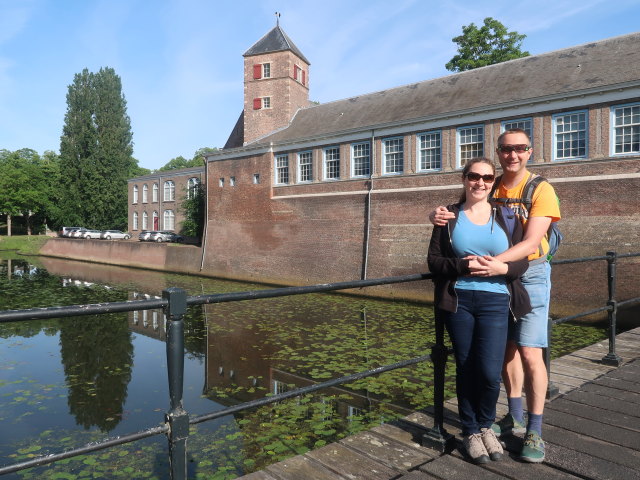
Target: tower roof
[(275, 41)]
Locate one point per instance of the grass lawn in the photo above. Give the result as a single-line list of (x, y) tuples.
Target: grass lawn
[(26, 244)]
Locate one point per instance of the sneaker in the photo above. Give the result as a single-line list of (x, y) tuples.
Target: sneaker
[(491, 443), (533, 448), (508, 426), (475, 448)]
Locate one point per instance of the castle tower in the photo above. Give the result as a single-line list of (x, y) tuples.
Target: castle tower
[(276, 84)]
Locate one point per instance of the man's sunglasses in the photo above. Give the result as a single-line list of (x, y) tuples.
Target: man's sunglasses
[(475, 177), (513, 148)]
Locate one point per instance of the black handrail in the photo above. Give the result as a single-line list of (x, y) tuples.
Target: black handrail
[(174, 302)]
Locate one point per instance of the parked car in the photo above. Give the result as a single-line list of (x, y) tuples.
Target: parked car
[(143, 236), (115, 234), (91, 233), (65, 231), (78, 233), (166, 236)]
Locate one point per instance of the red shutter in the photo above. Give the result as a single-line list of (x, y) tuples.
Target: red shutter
[(257, 71), (304, 77), (295, 72), (257, 103)]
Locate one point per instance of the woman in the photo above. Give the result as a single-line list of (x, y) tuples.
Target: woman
[(476, 309)]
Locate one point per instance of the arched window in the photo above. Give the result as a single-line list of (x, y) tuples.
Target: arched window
[(192, 186), (169, 191), (169, 220), (135, 194), (135, 221), (145, 221), (155, 221), (155, 193), (145, 193)]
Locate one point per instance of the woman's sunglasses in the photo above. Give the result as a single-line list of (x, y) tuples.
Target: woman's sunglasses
[(475, 177)]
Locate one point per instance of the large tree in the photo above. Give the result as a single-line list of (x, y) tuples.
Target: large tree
[(489, 44), (96, 151), (25, 185)]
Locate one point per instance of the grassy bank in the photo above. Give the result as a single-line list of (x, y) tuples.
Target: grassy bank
[(26, 244)]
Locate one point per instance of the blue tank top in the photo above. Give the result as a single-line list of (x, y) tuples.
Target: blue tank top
[(471, 239)]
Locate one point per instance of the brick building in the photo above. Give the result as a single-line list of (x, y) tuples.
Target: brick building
[(155, 200), (316, 193)]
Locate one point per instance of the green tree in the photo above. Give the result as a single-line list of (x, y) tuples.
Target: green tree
[(181, 162), (489, 44), (96, 150), (193, 208), (23, 186)]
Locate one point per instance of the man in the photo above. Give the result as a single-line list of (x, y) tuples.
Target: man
[(524, 363)]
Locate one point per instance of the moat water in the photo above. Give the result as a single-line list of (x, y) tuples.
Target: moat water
[(68, 382)]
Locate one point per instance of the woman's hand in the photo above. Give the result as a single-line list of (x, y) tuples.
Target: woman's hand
[(487, 266)]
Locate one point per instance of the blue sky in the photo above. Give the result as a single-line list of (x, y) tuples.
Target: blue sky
[(180, 61)]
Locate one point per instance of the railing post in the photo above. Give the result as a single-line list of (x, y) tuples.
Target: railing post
[(438, 438), (177, 418), (552, 389), (612, 358)]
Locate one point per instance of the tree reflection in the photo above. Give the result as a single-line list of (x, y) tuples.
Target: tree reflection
[(97, 354)]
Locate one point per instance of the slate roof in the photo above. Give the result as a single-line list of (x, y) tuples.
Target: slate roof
[(275, 41), (588, 67)]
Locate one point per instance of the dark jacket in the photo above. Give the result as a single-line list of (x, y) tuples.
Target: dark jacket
[(447, 267)]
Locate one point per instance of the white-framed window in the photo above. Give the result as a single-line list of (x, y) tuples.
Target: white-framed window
[(256, 178), (192, 186), (429, 155), (305, 167), (154, 195), (134, 221), (625, 129), (135, 194), (221, 182), (470, 143), (168, 220), (282, 169), (232, 181), (393, 156), (525, 124), (266, 70), (145, 193), (361, 159), (331, 162), (169, 191), (266, 102), (299, 75), (570, 135), (261, 102), (145, 220)]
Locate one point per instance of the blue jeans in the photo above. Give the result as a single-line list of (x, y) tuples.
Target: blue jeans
[(532, 329), (478, 332)]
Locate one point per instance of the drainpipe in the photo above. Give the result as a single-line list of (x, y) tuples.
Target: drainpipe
[(206, 213), (368, 207)]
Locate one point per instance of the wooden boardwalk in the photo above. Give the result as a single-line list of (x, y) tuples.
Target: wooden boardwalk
[(592, 431)]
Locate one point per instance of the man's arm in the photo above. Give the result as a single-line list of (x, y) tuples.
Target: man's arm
[(535, 230), (440, 216)]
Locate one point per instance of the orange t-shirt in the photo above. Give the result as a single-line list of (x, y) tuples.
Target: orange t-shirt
[(544, 203)]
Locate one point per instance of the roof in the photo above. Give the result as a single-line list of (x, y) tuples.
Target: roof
[(584, 68), (275, 41), (176, 172)]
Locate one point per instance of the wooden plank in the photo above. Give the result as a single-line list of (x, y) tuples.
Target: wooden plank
[(629, 397), (603, 402), (617, 419), (416, 475), (453, 467), (592, 428), (341, 459), (592, 446), (300, 467), (559, 456), (261, 475), (618, 384), (382, 449)]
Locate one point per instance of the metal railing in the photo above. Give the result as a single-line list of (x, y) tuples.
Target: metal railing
[(174, 302)]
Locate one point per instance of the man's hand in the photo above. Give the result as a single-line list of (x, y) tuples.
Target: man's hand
[(487, 266), (440, 216)]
